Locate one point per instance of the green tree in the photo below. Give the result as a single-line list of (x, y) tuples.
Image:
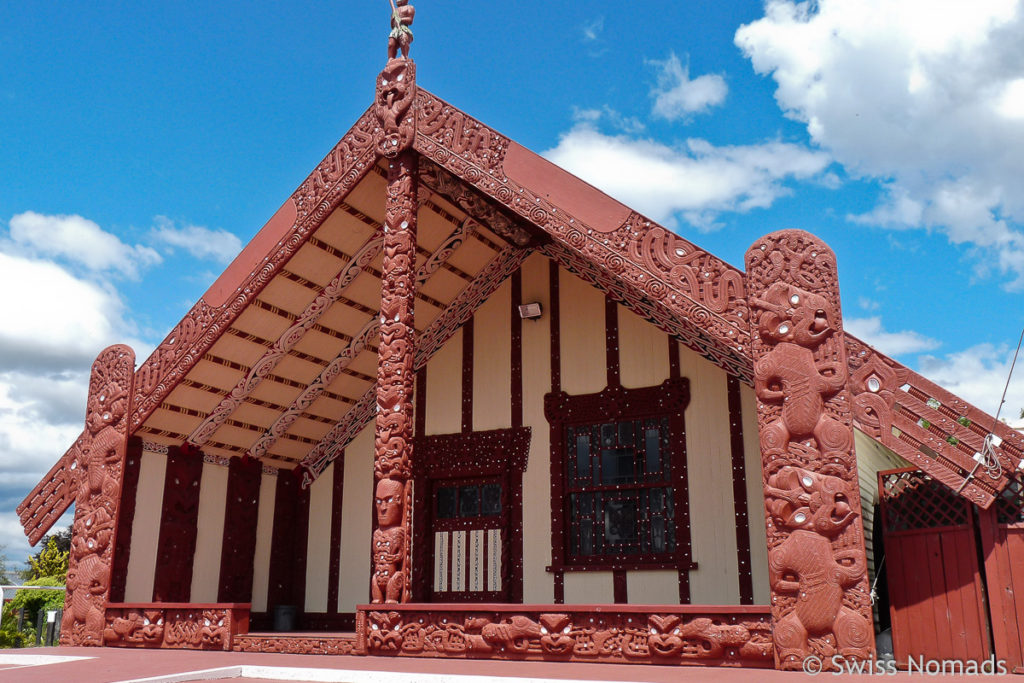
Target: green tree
[(49, 562)]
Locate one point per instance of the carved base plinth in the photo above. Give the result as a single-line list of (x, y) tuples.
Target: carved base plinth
[(297, 644), (171, 625), (620, 634)]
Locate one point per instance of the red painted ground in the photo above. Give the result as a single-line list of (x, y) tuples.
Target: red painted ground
[(121, 664)]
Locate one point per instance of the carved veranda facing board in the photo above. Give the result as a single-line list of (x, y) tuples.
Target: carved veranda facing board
[(817, 564)]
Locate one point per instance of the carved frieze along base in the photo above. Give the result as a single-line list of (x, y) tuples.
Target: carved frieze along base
[(700, 635), (816, 561), (306, 644), (175, 625), (100, 471)]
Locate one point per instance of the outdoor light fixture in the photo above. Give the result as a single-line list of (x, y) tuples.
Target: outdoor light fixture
[(530, 311)]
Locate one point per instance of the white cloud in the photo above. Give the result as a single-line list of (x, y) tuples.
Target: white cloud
[(219, 245), (925, 96), (978, 375), (79, 240), (871, 331), (677, 95), (593, 29), (698, 180)]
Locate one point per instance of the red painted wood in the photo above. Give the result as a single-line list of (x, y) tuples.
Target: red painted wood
[(178, 525), (467, 377), (125, 518), (619, 588), (337, 499), (739, 492), (1005, 631), (238, 548), (517, 352), (611, 341), (288, 543)]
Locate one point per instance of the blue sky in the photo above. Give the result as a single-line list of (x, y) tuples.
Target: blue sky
[(142, 144)]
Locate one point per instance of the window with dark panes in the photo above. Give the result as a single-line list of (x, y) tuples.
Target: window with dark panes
[(618, 483)]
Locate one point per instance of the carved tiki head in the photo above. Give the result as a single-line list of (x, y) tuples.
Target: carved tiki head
[(801, 499), (389, 500), (794, 315)]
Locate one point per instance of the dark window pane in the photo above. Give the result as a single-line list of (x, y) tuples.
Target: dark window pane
[(607, 435), (583, 457), (620, 521), (491, 499), (586, 537), (657, 534), (469, 501), (617, 466), (446, 502), (626, 433), (652, 444)]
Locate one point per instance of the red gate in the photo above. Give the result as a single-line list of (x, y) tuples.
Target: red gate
[(935, 588), (1002, 538)]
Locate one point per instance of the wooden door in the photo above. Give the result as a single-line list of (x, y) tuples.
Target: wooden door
[(469, 522), (937, 601), (1002, 538)]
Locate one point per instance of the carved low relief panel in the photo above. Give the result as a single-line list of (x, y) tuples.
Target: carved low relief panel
[(157, 626), (817, 565), (577, 635)]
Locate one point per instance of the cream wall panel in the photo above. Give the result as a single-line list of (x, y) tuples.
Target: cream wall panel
[(656, 587), (593, 588), (492, 365), (264, 536), (444, 388), (643, 352), (213, 492), (582, 335), (872, 458), (356, 529), (146, 528), (709, 471), (538, 584), (755, 497), (318, 547)]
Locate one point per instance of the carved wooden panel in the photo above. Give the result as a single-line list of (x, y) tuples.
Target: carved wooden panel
[(100, 471), (174, 625), (817, 564), (706, 636), (179, 518), (288, 544), (126, 518), (239, 541), (305, 644)]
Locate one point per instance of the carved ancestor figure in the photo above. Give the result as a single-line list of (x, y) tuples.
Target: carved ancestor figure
[(400, 37), (798, 322), (815, 508), (389, 577)]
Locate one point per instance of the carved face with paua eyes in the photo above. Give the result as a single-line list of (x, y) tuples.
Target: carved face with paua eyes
[(794, 315), (801, 499), (389, 500)]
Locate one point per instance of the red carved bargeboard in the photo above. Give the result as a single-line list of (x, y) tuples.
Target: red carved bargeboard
[(175, 625), (636, 634), (817, 567)]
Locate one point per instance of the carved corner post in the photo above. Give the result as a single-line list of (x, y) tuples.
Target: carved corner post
[(816, 561), (392, 540), (100, 465)]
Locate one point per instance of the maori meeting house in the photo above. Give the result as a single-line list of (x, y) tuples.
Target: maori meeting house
[(452, 401)]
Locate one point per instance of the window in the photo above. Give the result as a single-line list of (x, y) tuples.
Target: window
[(619, 498), (618, 482)]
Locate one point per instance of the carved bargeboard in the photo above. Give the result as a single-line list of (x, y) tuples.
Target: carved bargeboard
[(817, 564)]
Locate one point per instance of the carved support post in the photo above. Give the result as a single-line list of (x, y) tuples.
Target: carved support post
[(100, 465), (816, 561), (392, 540)]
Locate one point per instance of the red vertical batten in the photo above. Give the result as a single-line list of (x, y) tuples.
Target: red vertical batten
[(337, 498), (467, 377), (126, 519), (238, 548), (556, 473), (288, 543), (611, 341), (424, 548), (817, 565), (739, 492), (179, 517), (619, 587), (517, 352)]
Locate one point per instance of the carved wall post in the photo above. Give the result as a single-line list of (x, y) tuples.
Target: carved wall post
[(100, 465), (816, 561), (390, 582)]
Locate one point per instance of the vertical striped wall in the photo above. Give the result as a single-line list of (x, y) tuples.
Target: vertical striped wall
[(337, 561)]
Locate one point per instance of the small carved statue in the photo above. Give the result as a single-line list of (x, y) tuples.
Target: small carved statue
[(816, 508), (400, 37), (389, 543)]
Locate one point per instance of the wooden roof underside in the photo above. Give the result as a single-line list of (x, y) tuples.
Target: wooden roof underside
[(278, 359)]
